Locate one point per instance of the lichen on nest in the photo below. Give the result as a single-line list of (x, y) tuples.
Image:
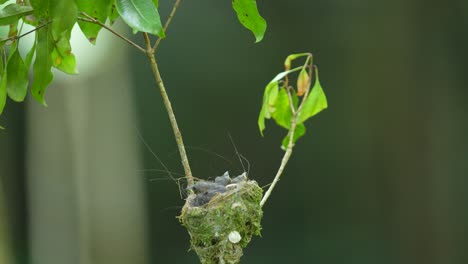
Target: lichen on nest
[(221, 217)]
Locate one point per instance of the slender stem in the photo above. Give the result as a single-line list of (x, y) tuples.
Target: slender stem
[(149, 51), (170, 112), (90, 19), (169, 19), (284, 161), (291, 103), (289, 149), (27, 33)]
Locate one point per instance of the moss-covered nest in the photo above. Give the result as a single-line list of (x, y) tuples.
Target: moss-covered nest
[(224, 225)]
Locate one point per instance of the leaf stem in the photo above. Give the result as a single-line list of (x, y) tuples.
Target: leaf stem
[(91, 19), (169, 19), (167, 103), (27, 33), (284, 161)]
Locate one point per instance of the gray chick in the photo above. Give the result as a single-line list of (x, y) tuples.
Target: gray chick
[(223, 180)]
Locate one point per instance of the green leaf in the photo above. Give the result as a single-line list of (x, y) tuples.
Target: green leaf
[(315, 102), (41, 8), (98, 9), (282, 114), (17, 82), (3, 90), (62, 57), (290, 58), (43, 64), (156, 3), (269, 99), (113, 14), (2, 128), (298, 132), (30, 54), (248, 15), (13, 12), (64, 14), (141, 15)]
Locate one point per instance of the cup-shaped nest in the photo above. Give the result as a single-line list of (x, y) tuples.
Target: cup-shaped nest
[(220, 228)]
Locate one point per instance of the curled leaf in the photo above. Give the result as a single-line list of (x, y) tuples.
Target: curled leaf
[(269, 100), (287, 63), (315, 102), (270, 97), (303, 82)]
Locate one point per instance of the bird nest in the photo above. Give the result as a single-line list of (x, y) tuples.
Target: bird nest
[(221, 217)]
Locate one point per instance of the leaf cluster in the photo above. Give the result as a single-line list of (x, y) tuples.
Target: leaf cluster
[(291, 106), (53, 21)]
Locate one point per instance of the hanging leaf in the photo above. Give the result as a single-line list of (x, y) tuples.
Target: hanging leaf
[(98, 9), (17, 71), (41, 8), (42, 66), (3, 90), (141, 15), (303, 83), (269, 99), (13, 12), (30, 55), (298, 133), (315, 102), (113, 14), (62, 57), (248, 16), (283, 114), (64, 14)]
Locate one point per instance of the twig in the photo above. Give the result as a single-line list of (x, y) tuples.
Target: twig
[(27, 33), (169, 19), (91, 19), (167, 103), (284, 161)]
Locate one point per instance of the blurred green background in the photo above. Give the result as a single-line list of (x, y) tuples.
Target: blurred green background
[(378, 178)]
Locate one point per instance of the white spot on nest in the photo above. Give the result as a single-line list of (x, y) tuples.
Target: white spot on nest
[(235, 205), (231, 186), (234, 237)]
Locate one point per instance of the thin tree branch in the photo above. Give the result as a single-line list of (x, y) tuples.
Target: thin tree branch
[(167, 103), (27, 33), (169, 19), (91, 19), (289, 149), (284, 161)]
